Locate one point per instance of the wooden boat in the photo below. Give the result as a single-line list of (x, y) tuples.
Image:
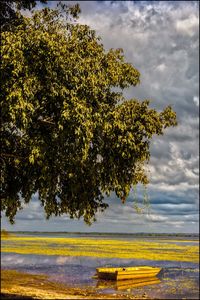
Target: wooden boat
[(127, 273), (127, 284)]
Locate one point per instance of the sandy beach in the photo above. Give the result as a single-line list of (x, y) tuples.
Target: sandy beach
[(17, 285)]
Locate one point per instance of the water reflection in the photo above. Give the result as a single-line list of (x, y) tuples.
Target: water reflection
[(176, 280), (127, 284)]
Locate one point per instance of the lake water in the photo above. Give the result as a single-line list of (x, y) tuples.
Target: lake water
[(177, 279)]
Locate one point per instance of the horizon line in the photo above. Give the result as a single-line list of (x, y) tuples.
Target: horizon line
[(96, 232)]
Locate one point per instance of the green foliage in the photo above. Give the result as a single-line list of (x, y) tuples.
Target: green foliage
[(9, 11), (66, 133)]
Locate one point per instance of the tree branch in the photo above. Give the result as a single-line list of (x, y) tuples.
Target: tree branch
[(46, 121), (11, 155)]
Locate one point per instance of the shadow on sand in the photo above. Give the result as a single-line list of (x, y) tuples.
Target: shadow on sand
[(15, 296)]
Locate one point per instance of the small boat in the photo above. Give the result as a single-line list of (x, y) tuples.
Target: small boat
[(127, 273)]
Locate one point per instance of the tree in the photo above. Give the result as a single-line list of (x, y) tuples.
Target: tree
[(66, 133), (9, 11)]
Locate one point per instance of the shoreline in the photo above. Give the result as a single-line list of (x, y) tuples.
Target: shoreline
[(19, 285)]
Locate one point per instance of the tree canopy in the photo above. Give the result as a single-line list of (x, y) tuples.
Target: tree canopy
[(10, 11), (67, 134)]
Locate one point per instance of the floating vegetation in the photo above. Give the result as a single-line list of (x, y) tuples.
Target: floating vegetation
[(5, 234), (136, 249)]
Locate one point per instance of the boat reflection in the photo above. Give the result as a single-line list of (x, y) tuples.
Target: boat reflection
[(126, 284)]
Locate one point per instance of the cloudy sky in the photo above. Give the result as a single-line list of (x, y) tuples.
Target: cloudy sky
[(161, 40)]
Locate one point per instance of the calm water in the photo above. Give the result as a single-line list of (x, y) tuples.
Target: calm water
[(177, 279)]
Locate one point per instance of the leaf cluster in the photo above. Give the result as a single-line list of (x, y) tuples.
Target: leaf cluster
[(10, 12)]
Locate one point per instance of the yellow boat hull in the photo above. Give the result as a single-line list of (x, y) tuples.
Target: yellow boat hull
[(127, 273)]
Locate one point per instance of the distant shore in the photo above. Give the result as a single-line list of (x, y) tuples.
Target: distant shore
[(18, 285), (111, 233)]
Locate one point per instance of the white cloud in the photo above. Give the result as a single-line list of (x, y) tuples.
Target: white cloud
[(196, 100), (188, 26), (161, 67), (156, 218), (176, 188), (177, 224)]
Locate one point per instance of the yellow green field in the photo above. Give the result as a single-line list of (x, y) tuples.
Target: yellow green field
[(137, 249)]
